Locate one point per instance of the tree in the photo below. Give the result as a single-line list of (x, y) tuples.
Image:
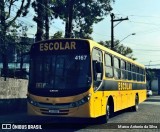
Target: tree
[(44, 15), (80, 15), (39, 6), (7, 21), (120, 48), (57, 35), (89, 12), (46, 20)]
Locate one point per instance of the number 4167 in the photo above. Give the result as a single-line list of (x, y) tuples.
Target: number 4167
[(81, 57)]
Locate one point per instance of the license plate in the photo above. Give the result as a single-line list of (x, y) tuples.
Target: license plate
[(53, 111)]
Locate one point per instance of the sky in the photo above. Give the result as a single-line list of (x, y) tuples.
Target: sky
[(144, 21)]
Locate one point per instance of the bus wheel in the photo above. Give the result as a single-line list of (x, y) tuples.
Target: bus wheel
[(135, 107), (109, 110), (107, 113)]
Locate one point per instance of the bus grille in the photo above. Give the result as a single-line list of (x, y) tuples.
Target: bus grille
[(54, 109)]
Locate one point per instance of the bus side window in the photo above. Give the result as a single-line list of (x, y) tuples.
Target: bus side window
[(138, 74), (134, 72), (117, 71), (123, 70), (108, 66), (97, 64), (129, 71)]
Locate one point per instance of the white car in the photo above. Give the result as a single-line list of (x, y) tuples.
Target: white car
[(149, 93)]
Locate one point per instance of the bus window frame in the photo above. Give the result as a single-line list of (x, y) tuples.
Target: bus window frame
[(123, 69), (97, 83), (117, 68), (129, 71), (108, 66)]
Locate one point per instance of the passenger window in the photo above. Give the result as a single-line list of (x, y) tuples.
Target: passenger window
[(123, 70), (97, 55), (134, 72), (117, 71), (138, 74), (129, 71), (108, 66), (97, 67)]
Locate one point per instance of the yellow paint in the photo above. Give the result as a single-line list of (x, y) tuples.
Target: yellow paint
[(123, 98)]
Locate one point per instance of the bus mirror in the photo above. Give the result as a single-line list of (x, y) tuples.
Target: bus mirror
[(98, 66), (97, 69)]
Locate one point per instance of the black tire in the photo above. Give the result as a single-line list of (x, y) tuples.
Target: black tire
[(107, 116), (135, 107), (109, 111)]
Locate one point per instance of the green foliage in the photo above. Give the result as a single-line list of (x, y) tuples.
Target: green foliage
[(120, 48), (8, 23), (85, 14), (57, 35), (38, 6), (10, 29)]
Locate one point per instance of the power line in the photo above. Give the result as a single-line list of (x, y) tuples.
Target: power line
[(151, 61), (145, 23), (153, 65), (141, 16), (146, 50)]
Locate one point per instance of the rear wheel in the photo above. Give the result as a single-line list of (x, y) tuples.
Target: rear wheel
[(135, 107), (109, 111)]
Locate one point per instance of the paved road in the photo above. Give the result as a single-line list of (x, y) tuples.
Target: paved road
[(147, 116)]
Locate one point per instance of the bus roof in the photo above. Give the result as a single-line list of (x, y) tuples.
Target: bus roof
[(115, 53), (95, 44)]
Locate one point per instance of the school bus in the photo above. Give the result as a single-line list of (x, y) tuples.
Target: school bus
[(81, 78)]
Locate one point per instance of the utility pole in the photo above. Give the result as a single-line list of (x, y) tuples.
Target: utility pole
[(68, 30), (112, 28)]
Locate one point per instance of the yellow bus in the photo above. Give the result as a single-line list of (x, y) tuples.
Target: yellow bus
[(81, 78)]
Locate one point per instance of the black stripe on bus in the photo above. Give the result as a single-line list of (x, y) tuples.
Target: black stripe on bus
[(111, 85)]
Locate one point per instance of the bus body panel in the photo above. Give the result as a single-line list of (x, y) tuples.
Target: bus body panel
[(62, 105), (123, 96)]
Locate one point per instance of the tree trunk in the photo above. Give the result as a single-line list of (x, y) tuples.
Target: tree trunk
[(70, 18), (3, 39), (68, 28), (46, 20), (40, 20)]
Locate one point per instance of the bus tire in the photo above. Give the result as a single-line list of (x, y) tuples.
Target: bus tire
[(109, 110), (107, 116), (135, 107)]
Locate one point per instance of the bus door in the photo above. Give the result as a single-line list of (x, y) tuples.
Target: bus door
[(97, 67)]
